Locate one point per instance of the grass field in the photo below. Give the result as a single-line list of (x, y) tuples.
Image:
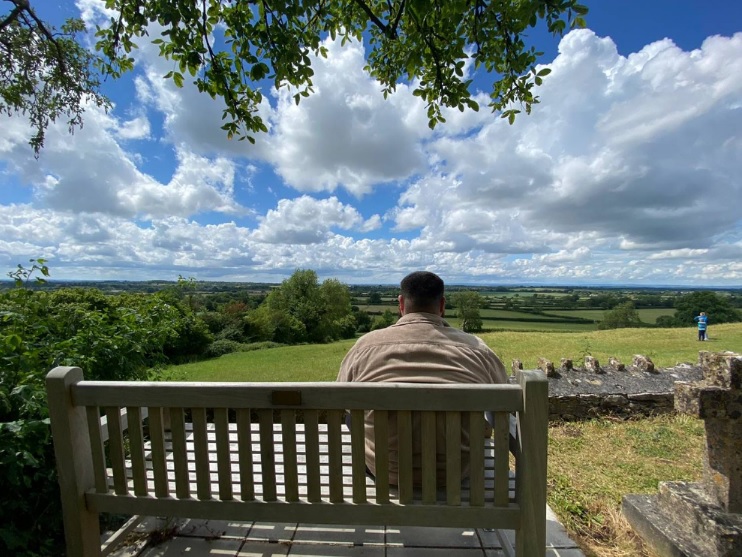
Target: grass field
[(320, 362), (591, 464), (550, 320), (647, 315)]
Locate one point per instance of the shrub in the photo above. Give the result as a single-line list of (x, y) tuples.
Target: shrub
[(223, 346), (109, 337)]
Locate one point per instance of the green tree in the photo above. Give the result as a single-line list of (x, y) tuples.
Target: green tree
[(622, 316), (467, 304), (374, 297), (231, 48), (302, 310), (718, 308), (384, 320)]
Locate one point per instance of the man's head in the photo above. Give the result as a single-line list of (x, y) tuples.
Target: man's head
[(422, 291)]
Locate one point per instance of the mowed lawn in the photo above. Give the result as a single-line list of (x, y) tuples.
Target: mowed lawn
[(320, 362)]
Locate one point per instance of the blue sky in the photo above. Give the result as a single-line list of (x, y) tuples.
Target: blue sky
[(628, 172)]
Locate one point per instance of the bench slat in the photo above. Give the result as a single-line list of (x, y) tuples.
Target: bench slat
[(501, 433), (247, 488), (404, 429), (315, 513), (201, 450), (476, 454), (335, 455), (453, 457), (96, 445), (288, 438), (267, 454), (311, 444), (320, 396), (346, 481), (157, 446), (136, 449), (116, 449), (223, 458), (179, 453), (381, 454), (358, 453), (428, 455)]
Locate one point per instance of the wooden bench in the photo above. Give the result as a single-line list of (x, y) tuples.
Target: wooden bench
[(280, 452)]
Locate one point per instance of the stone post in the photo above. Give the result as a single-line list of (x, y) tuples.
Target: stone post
[(717, 400), (687, 519)]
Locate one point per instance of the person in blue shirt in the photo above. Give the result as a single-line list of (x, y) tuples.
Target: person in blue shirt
[(702, 321)]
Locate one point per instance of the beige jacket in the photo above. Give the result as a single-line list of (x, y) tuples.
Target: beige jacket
[(419, 348)]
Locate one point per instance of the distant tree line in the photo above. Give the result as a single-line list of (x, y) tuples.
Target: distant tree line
[(718, 308)]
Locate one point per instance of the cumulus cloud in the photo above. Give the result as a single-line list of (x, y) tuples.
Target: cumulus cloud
[(345, 134), (628, 171), (306, 220), (640, 152)]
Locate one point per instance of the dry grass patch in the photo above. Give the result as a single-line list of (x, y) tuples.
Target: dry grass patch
[(593, 464)]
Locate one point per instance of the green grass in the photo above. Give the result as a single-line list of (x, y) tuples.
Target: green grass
[(647, 315), (592, 465), (666, 347), (311, 362), (320, 362)]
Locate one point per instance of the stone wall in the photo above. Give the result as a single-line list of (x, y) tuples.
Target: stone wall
[(615, 389)]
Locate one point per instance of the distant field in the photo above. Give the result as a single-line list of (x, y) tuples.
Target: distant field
[(541, 326), (507, 320), (320, 362), (648, 315)]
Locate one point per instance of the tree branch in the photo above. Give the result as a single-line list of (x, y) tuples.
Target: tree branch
[(40, 27), (372, 16), (395, 25), (20, 5)]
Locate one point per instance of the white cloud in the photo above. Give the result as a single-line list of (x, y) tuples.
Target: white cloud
[(627, 171), (306, 220), (345, 134)]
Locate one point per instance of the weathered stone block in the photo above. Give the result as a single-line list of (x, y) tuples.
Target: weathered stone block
[(566, 364), (616, 364), (517, 366), (592, 365), (547, 366), (643, 363), (723, 369), (687, 400)]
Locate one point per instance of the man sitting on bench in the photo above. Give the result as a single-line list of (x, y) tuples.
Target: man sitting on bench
[(420, 348)]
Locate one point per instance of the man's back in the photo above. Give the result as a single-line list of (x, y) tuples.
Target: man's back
[(420, 348)]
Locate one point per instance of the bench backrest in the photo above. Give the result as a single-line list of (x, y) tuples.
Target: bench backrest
[(246, 450)]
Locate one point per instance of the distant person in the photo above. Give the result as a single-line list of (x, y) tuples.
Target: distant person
[(420, 348), (702, 321)]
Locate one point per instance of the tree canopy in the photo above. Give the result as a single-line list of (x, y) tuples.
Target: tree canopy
[(622, 316), (231, 49), (718, 308), (303, 310), (467, 304)]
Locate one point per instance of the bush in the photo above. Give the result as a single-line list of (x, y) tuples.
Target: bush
[(109, 337), (223, 346)]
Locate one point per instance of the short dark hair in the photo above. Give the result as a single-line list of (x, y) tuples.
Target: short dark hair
[(422, 290)]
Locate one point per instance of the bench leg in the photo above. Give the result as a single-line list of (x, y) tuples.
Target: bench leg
[(74, 462), (530, 540)]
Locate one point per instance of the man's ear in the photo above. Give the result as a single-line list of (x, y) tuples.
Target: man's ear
[(400, 299), (443, 306)]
